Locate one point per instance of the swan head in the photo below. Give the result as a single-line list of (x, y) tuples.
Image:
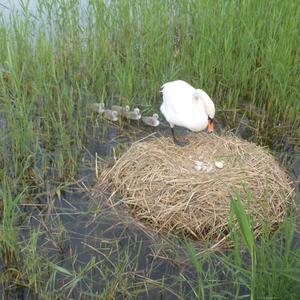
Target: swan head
[(209, 107), (114, 113), (155, 116), (137, 111)]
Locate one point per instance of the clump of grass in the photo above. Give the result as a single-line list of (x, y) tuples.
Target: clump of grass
[(31, 269), (8, 236), (248, 235)]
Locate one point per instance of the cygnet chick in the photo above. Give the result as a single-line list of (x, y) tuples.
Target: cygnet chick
[(133, 115), (151, 121), (111, 115), (98, 107), (120, 109)]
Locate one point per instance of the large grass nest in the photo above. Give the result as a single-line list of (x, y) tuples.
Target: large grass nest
[(188, 190)]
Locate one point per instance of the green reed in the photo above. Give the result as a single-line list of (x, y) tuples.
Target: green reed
[(55, 62), (252, 269)]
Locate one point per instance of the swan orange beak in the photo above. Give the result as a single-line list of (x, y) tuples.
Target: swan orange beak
[(210, 126)]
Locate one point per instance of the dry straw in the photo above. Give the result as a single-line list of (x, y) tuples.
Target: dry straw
[(180, 189)]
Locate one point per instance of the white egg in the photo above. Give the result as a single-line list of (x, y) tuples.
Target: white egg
[(219, 164)]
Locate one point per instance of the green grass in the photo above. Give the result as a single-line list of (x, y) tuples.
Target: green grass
[(270, 269), (55, 63)]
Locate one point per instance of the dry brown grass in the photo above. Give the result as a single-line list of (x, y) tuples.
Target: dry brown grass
[(159, 184)]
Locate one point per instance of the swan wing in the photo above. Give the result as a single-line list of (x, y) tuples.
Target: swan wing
[(177, 98), (177, 103), (179, 107)]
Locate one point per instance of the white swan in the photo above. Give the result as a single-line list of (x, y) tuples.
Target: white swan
[(186, 106)]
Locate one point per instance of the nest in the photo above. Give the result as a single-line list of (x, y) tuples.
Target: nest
[(188, 190)]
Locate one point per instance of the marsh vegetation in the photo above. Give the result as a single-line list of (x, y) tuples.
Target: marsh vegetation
[(55, 240)]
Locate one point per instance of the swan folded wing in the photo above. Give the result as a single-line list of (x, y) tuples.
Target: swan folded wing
[(177, 97)]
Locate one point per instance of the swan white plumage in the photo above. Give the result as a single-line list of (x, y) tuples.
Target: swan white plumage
[(186, 106)]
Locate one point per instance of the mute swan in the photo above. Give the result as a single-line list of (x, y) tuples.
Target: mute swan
[(120, 109), (151, 121), (133, 115), (98, 107), (111, 115), (186, 106)]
